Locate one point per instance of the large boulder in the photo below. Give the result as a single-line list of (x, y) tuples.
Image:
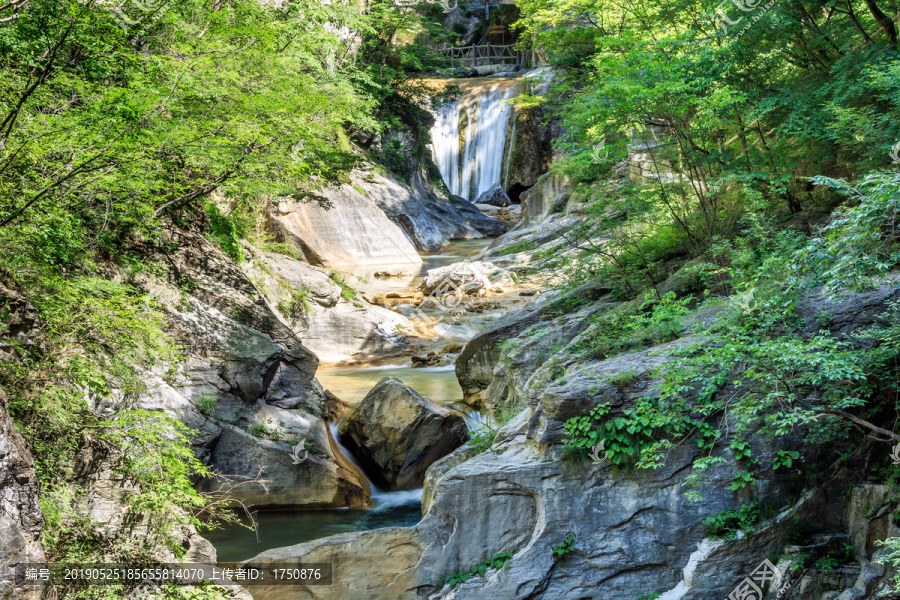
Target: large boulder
[(267, 471), (396, 433), (368, 565), (249, 445), (487, 225), (310, 301), (495, 196), (529, 139)]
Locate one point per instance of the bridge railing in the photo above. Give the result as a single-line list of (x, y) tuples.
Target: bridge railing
[(483, 55)]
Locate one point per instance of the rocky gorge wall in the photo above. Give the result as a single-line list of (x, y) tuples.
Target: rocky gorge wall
[(21, 520), (311, 303), (379, 220), (248, 387)]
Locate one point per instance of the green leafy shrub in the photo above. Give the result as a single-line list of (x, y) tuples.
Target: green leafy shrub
[(515, 248), (562, 550), (637, 437), (798, 533), (393, 158), (207, 403), (298, 303), (860, 242), (264, 430), (657, 320), (727, 523), (785, 458), (741, 480), (479, 570), (348, 292), (836, 558), (481, 438), (224, 232), (623, 378)]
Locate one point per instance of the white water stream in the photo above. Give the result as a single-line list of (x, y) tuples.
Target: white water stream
[(480, 118)]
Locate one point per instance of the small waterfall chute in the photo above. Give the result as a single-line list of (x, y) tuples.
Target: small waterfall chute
[(382, 499)]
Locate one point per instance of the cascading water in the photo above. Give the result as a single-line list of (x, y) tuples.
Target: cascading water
[(381, 498), (481, 118)]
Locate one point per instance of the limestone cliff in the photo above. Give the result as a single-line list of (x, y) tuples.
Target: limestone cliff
[(21, 520), (634, 533)]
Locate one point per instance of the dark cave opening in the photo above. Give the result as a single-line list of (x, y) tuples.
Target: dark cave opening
[(516, 191)]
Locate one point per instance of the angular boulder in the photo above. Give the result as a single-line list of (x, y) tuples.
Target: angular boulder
[(495, 196), (487, 225), (396, 434)]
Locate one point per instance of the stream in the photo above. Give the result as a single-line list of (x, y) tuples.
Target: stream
[(276, 528)]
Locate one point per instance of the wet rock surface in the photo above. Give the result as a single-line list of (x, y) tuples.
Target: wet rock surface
[(430, 220)]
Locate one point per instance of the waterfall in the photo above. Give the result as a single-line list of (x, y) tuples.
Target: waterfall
[(445, 140), (483, 115)]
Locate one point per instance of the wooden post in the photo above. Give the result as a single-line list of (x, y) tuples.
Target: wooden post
[(487, 22)]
